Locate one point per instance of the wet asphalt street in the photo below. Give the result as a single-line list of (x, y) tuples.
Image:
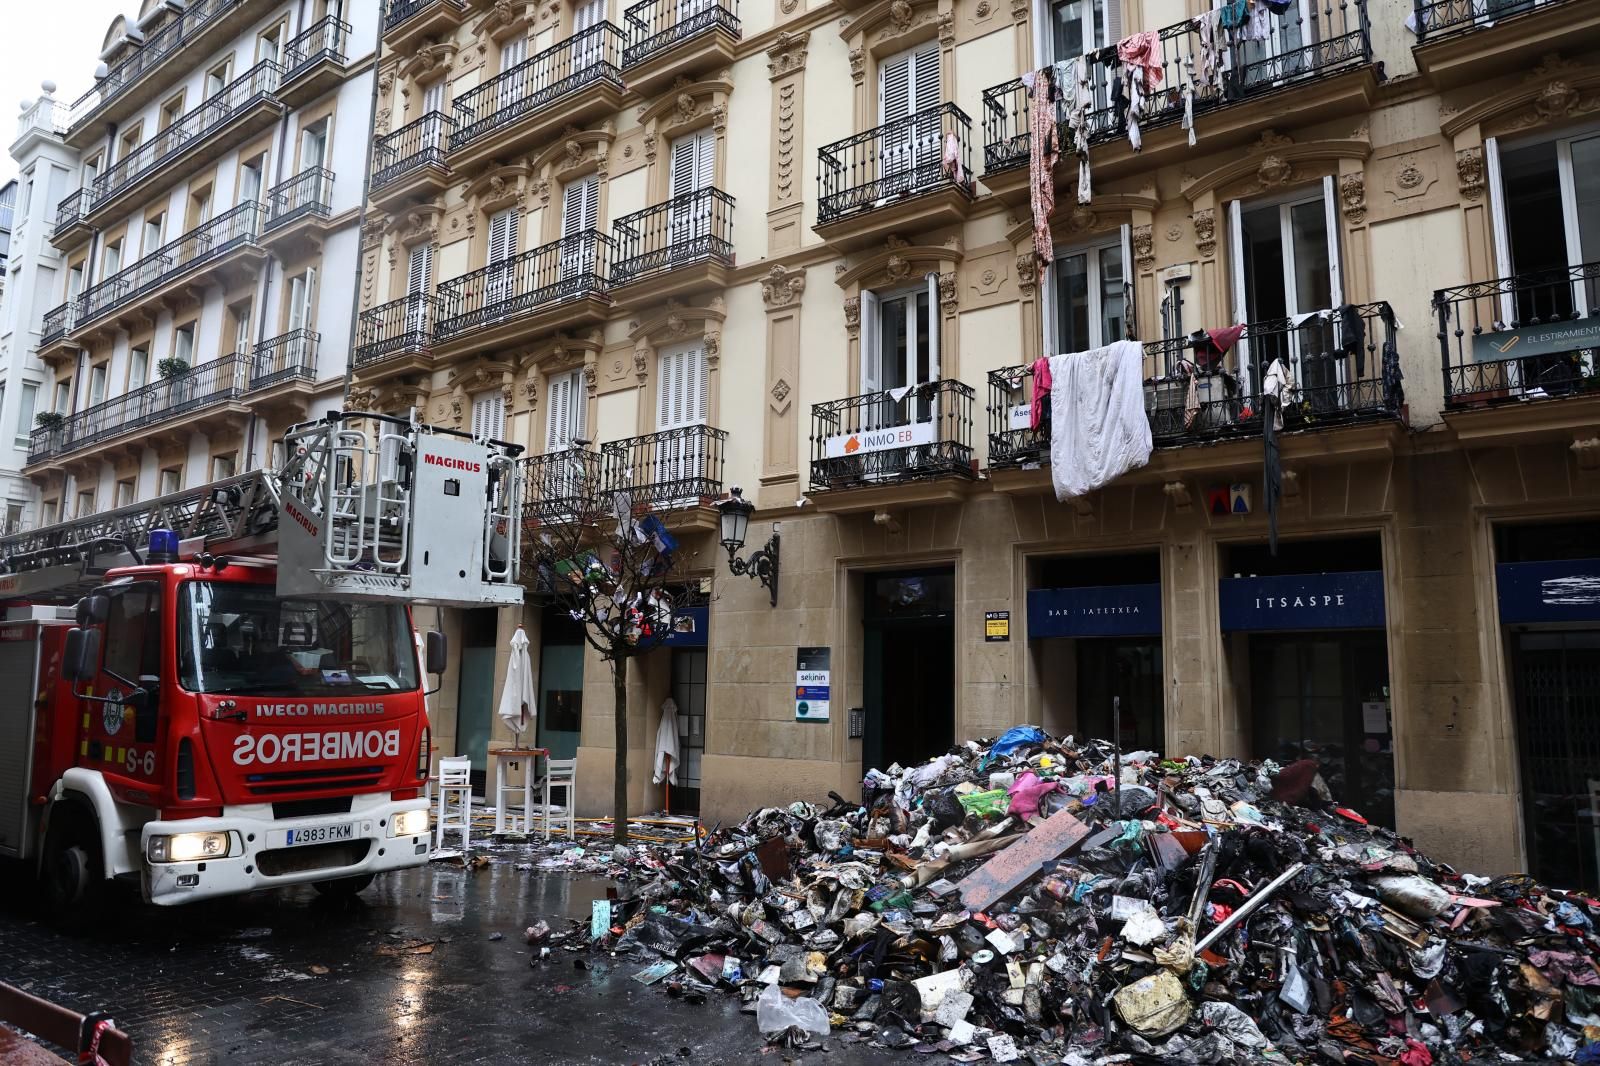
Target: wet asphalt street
[(405, 974)]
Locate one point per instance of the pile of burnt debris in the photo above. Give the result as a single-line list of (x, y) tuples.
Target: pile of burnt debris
[(1018, 900)]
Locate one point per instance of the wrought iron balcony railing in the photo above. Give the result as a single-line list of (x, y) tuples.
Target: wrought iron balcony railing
[(394, 329), (291, 357), (180, 29), (416, 144), (560, 486), (1327, 38), (571, 267), (71, 211), (657, 25), (307, 194), (1438, 19), (189, 131), (877, 439), (200, 245), (588, 56), (694, 227), (902, 158), (673, 468), (57, 321), (323, 39), (400, 10), (203, 386), (1531, 336), (1336, 360)]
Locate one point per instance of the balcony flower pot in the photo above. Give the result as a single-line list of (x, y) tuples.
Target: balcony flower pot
[(50, 420)]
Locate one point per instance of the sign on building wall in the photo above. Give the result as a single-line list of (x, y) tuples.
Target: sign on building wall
[(1100, 611), (1546, 338), (812, 683), (996, 626), (1563, 590), (878, 440), (691, 628), (1352, 600)]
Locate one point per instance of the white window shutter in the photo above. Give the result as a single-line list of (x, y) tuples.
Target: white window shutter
[(591, 204), (698, 384), (871, 344), (1241, 305), (1129, 319), (580, 208), (1330, 210), (934, 318), (420, 268), (503, 235), (297, 302), (685, 151), (588, 14), (488, 414), (894, 88), (706, 161), (1113, 23), (308, 294), (555, 406), (433, 97), (1497, 213), (925, 79)]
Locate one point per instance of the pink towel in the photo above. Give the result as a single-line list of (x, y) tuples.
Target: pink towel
[(1027, 792), (1041, 391), (1143, 50)]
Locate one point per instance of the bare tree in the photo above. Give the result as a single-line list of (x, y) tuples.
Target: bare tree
[(611, 563)]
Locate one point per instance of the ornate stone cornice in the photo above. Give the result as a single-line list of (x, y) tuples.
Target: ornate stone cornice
[(787, 55)]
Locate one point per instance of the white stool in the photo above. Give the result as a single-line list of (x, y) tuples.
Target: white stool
[(455, 781), (562, 774), (509, 762)]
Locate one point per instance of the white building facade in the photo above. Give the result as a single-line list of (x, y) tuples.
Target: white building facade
[(194, 248)]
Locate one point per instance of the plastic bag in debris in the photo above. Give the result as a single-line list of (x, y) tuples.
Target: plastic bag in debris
[(1016, 737), (1233, 1023), (1153, 1006), (666, 936), (776, 1012), (983, 804), (1413, 895)]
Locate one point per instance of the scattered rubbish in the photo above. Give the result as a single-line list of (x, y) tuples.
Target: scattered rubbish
[(421, 947), (318, 970), (497, 936), (1044, 900), (537, 933)]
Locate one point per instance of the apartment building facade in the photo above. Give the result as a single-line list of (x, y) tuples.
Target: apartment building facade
[(203, 214), (792, 246)]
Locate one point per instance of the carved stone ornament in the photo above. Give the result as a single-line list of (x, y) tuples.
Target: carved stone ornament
[(1353, 195), (1469, 172), (947, 28), (852, 315), (858, 63), (1144, 247), (900, 14), (781, 287), (1556, 100), (686, 106), (1410, 176), (1080, 218), (1205, 232), (787, 54), (589, 376), (1019, 10), (530, 388), (1026, 272), (780, 390), (897, 267), (947, 294), (1274, 170), (713, 346), (641, 362), (982, 11), (788, 6)]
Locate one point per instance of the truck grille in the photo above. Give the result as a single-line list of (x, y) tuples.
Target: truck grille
[(276, 784), (311, 808), (280, 861)]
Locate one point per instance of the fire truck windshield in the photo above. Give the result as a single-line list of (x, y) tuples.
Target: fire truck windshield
[(243, 639)]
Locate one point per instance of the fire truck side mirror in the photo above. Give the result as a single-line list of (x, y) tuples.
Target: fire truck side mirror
[(82, 654), (94, 609), (438, 651)]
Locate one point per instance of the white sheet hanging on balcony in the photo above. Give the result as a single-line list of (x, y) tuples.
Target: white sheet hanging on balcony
[(1098, 426)]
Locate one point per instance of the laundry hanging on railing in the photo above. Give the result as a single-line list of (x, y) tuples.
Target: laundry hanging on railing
[(1210, 345), (1099, 429), (1079, 92), (953, 168), (1039, 402)]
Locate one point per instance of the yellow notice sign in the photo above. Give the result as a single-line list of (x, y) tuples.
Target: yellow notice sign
[(996, 625)]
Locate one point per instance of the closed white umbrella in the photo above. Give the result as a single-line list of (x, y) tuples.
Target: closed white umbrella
[(667, 743), (517, 708)]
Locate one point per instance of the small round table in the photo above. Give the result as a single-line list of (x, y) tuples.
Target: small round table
[(514, 774)]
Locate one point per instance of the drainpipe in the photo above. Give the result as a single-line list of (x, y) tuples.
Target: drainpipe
[(361, 219)]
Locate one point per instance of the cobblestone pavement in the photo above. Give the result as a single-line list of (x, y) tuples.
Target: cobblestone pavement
[(405, 974)]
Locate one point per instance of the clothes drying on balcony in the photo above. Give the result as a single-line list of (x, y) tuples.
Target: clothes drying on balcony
[(1098, 426), (1039, 402), (1043, 151), (1143, 52)]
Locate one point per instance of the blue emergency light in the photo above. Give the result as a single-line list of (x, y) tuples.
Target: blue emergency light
[(163, 546)]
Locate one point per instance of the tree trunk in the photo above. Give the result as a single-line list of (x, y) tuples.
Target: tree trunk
[(619, 794)]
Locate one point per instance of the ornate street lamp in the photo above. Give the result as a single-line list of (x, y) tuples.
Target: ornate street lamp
[(735, 519)]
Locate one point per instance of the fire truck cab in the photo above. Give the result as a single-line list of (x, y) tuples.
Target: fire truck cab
[(204, 719)]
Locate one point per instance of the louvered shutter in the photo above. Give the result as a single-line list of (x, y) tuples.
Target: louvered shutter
[(556, 434), (682, 389), (580, 209), (419, 268), (925, 79), (685, 154), (1113, 23), (894, 88), (488, 415), (513, 52), (503, 235), (433, 97)]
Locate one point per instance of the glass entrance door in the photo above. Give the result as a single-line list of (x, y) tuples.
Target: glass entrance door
[(560, 684), (1325, 696), (1127, 669), (689, 692), (1557, 690)]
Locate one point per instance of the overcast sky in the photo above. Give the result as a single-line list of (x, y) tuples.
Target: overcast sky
[(56, 39)]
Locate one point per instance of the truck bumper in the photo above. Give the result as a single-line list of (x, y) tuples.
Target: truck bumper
[(267, 852)]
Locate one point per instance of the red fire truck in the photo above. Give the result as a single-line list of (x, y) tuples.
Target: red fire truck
[(219, 691)]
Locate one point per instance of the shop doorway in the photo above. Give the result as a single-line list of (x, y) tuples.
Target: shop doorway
[(1326, 696), (908, 667), (689, 692), (1128, 669), (475, 692), (561, 649), (1556, 679)]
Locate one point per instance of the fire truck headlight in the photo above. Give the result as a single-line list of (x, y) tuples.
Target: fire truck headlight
[(189, 847), (409, 824)]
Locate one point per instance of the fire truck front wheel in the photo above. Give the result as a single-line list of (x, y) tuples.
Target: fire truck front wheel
[(71, 867), (343, 887)]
